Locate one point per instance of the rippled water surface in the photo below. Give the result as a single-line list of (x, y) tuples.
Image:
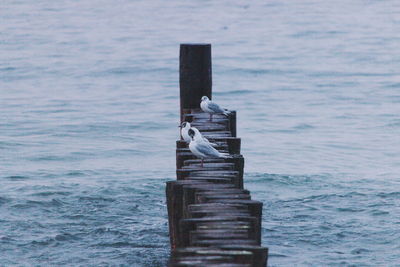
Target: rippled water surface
[(89, 108)]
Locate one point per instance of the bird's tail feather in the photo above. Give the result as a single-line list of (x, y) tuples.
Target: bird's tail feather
[(213, 144), (224, 155)]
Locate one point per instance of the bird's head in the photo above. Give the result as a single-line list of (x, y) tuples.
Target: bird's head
[(191, 133), (184, 125), (204, 98)]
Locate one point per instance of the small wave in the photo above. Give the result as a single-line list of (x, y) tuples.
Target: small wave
[(4, 145), (49, 158), (394, 124), (7, 69), (75, 173), (315, 197), (325, 227), (353, 194), (75, 216), (395, 195), (131, 71), (303, 126), (348, 209), (7, 239), (16, 177), (359, 251), (106, 230), (319, 197), (42, 243), (96, 199), (53, 111), (276, 255), (302, 216), (4, 200), (319, 74), (235, 92), (302, 34), (47, 241), (122, 244), (51, 193), (282, 131), (393, 85), (65, 237), (34, 203), (257, 72), (290, 89), (379, 212), (285, 179)]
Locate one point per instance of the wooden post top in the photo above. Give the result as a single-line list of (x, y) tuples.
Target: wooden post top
[(195, 75)]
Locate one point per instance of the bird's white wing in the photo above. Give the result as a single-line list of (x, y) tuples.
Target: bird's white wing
[(207, 150), (208, 141), (215, 108)]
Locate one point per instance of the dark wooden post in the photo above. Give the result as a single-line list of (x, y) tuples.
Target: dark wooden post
[(212, 219), (232, 122), (238, 160), (195, 76), (233, 145)]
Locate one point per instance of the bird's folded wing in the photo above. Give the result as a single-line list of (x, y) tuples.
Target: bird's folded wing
[(207, 141), (207, 149), (214, 107)]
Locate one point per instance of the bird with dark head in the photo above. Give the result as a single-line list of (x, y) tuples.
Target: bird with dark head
[(191, 133), (201, 148), (185, 127)]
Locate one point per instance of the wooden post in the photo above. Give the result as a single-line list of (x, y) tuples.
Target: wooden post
[(238, 162), (233, 145), (195, 76), (232, 122), (207, 205)]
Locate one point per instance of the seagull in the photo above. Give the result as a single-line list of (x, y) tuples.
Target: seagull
[(202, 149), (185, 126), (210, 107)]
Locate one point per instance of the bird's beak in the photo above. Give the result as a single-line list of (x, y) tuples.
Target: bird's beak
[(179, 126)]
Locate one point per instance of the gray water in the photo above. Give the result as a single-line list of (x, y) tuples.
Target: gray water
[(89, 108)]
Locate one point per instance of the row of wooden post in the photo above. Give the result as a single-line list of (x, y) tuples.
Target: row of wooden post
[(212, 219)]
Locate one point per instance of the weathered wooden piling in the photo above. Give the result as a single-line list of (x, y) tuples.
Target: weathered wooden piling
[(195, 75), (212, 219)]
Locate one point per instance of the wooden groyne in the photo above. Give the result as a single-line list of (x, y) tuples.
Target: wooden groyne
[(212, 219)]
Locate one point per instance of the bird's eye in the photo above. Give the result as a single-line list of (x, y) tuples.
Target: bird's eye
[(191, 133)]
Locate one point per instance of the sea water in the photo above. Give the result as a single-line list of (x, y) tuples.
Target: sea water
[(89, 109)]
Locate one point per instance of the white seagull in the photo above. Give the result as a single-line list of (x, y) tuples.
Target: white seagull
[(202, 149), (185, 126), (210, 107)]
